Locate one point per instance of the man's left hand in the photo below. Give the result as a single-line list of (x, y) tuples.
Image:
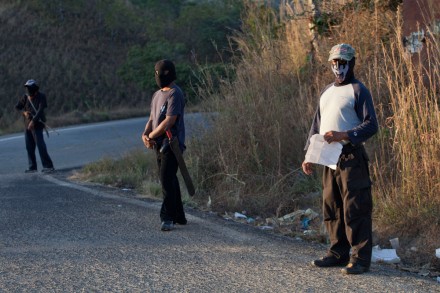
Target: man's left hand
[(335, 136), (31, 125)]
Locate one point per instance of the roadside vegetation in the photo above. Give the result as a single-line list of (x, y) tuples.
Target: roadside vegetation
[(135, 170), (266, 111), (92, 58), (250, 160)]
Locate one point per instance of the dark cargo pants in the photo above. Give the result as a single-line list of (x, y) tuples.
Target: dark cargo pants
[(33, 140), (347, 206), (172, 206)]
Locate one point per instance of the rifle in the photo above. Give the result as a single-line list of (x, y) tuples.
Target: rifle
[(46, 127)]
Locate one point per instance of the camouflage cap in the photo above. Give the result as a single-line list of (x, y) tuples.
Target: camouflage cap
[(341, 51), (30, 82)]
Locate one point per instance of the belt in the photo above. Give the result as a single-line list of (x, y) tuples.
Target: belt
[(352, 147)]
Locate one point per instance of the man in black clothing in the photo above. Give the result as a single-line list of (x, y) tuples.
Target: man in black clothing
[(167, 110), (32, 106)]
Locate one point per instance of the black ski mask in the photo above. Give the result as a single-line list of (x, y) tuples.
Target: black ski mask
[(165, 73), (31, 90), (343, 71)]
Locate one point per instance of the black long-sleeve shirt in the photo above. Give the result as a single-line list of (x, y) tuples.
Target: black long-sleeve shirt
[(37, 114)]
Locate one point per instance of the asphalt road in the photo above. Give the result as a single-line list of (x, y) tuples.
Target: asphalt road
[(60, 236), (76, 146)]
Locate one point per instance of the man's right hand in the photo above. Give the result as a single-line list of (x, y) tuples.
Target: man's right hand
[(307, 168), (27, 114)]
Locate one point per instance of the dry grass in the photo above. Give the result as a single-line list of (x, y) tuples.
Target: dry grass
[(248, 162), (408, 184), (252, 162), (136, 170)]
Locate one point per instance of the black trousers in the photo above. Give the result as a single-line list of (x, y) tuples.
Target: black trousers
[(172, 206), (35, 139), (347, 206)]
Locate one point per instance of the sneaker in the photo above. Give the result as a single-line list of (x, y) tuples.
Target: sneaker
[(330, 261), (48, 170), (354, 269), (30, 171), (167, 226)]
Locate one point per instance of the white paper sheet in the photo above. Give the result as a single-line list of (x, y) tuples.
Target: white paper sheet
[(322, 152)]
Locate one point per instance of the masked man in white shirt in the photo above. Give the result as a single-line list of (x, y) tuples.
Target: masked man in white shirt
[(346, 114)]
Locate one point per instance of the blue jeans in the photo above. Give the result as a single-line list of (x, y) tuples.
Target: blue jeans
[(35, 139)]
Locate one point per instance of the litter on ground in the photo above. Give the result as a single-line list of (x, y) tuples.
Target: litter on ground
[(384, 255), (239, 216)]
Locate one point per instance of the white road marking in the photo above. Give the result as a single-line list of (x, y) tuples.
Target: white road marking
[(80, 127), (155, 205), (133, 201)]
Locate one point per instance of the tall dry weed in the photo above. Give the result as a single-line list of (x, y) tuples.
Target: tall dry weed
[(251, 158), (409, 183)]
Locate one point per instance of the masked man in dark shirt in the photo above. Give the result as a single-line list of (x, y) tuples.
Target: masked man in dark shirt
[(167, 111), (32, 106)]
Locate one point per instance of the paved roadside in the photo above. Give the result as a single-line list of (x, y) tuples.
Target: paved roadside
[(60, 236)]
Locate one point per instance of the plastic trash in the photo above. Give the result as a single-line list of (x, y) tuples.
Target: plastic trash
[(227, 217), (305, 223), (437, 252), (394, 243), (250, 220), (311, 214), (239, 216), (292, 216), (384, 255), (309, 232), (266, 227), (271, 222)]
